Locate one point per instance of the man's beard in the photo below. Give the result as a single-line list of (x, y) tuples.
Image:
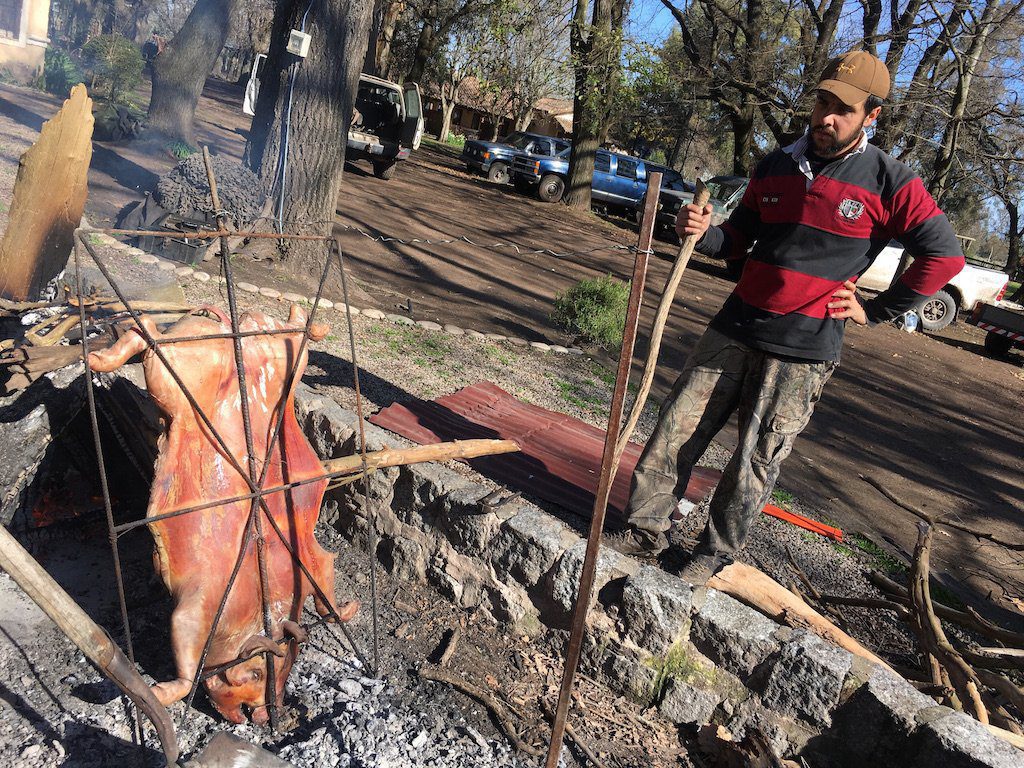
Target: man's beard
[(827, 143)]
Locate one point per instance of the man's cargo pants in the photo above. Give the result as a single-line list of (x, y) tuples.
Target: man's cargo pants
[(774, 399)]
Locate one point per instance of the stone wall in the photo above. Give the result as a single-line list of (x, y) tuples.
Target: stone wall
[(697, 654)]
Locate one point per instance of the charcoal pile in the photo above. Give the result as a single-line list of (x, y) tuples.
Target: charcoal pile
[(185, 190)]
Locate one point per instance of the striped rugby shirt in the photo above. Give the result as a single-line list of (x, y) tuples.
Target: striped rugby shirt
[(811, 232)]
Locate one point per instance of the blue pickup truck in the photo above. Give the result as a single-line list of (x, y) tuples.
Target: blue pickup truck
[(493, 158), (620, 181)]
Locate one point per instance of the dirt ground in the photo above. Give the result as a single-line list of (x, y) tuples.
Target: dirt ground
[(930, 416)]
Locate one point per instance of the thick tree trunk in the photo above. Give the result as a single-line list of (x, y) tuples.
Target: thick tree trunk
[(322, 98), (386, 34), (447, 107), (743, 140), (595, 46), (426, 44), (1013, 238), (179, 73)]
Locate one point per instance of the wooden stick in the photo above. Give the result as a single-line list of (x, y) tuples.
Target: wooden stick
[(496, 707), (969, 618), (453, 643), (700, 197), (392, 457), (933, 638), (1017, 546), (1002, 685), (571, 733), (760, 591), (867, 602)]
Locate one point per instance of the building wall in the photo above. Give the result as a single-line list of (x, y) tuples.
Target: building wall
[(23, 40)]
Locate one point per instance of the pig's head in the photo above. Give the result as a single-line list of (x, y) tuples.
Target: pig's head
[(245, 684)]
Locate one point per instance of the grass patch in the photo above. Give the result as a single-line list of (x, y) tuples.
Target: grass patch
[(880, 559), (594, 310), (576, 394), (783, 498), (424, 350)]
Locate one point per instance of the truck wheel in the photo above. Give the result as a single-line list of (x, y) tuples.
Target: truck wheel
[(998, 345), (938, 312), (550, 188), (498, 173), (385, 170)]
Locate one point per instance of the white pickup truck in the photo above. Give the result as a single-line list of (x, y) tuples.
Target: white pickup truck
[(972, 286)]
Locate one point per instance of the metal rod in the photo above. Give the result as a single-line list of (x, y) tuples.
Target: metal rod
[(609, 465), (250, 449), (104, 487), (214, 433), (208, 235), (370, 512)]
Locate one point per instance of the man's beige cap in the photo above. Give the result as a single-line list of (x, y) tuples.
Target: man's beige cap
[(854, 76)]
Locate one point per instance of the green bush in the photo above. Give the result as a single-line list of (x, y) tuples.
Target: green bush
[(61, 73), (456, 140), (594, 310), (114, 64)]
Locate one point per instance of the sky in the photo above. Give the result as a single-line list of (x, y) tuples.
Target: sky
[(650, 21)]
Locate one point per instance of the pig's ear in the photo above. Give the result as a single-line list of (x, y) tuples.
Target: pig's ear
[(123, 350)]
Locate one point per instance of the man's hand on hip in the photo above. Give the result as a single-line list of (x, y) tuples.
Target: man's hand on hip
[(844, 305), (693, 220)]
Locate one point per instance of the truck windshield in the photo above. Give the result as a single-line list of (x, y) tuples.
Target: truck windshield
[(672, 180), (518, 140), (723, 188)]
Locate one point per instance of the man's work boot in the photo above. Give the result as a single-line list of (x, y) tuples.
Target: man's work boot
[(703, 566), (636, 543)]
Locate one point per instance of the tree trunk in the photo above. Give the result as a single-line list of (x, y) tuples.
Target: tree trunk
[(426, 44), (447, 107), (386, 35), (595, 47), (743, 139), (322, 99), (1013, 238), (179, 73)]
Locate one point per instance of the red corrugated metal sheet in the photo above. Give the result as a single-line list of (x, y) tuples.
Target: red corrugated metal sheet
[(560, 457)]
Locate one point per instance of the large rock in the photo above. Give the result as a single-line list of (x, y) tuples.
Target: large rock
[(955, 740), (785, 735), (731, 634), (690, 703), (806, 677), (565, 579), (655, 609), (527, 546), (874, 725)]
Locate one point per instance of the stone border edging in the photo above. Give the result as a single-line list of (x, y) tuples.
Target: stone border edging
[(699, 655), (184, 272)]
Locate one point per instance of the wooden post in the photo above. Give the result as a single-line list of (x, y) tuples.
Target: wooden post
[(49, 197)]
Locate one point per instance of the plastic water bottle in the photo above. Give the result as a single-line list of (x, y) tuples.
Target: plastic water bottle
[(909, 321)]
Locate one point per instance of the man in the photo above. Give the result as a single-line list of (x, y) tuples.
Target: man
[(814, 217)]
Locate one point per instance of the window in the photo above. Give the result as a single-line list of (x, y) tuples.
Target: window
[(626, 168), (602, 163), (10, 19)]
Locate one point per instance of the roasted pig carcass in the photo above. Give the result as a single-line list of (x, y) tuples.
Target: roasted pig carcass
[(195, 552)]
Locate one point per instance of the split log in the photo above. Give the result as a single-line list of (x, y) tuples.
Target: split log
[(49, 198), (760, 591), (392, 457), (943, 656)]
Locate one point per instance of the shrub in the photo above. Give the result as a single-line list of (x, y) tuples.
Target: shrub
[(61, 73), (456, 140), (594, 310), (114, 63)]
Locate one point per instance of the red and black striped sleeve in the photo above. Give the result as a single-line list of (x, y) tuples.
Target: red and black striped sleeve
[(914, 219)]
